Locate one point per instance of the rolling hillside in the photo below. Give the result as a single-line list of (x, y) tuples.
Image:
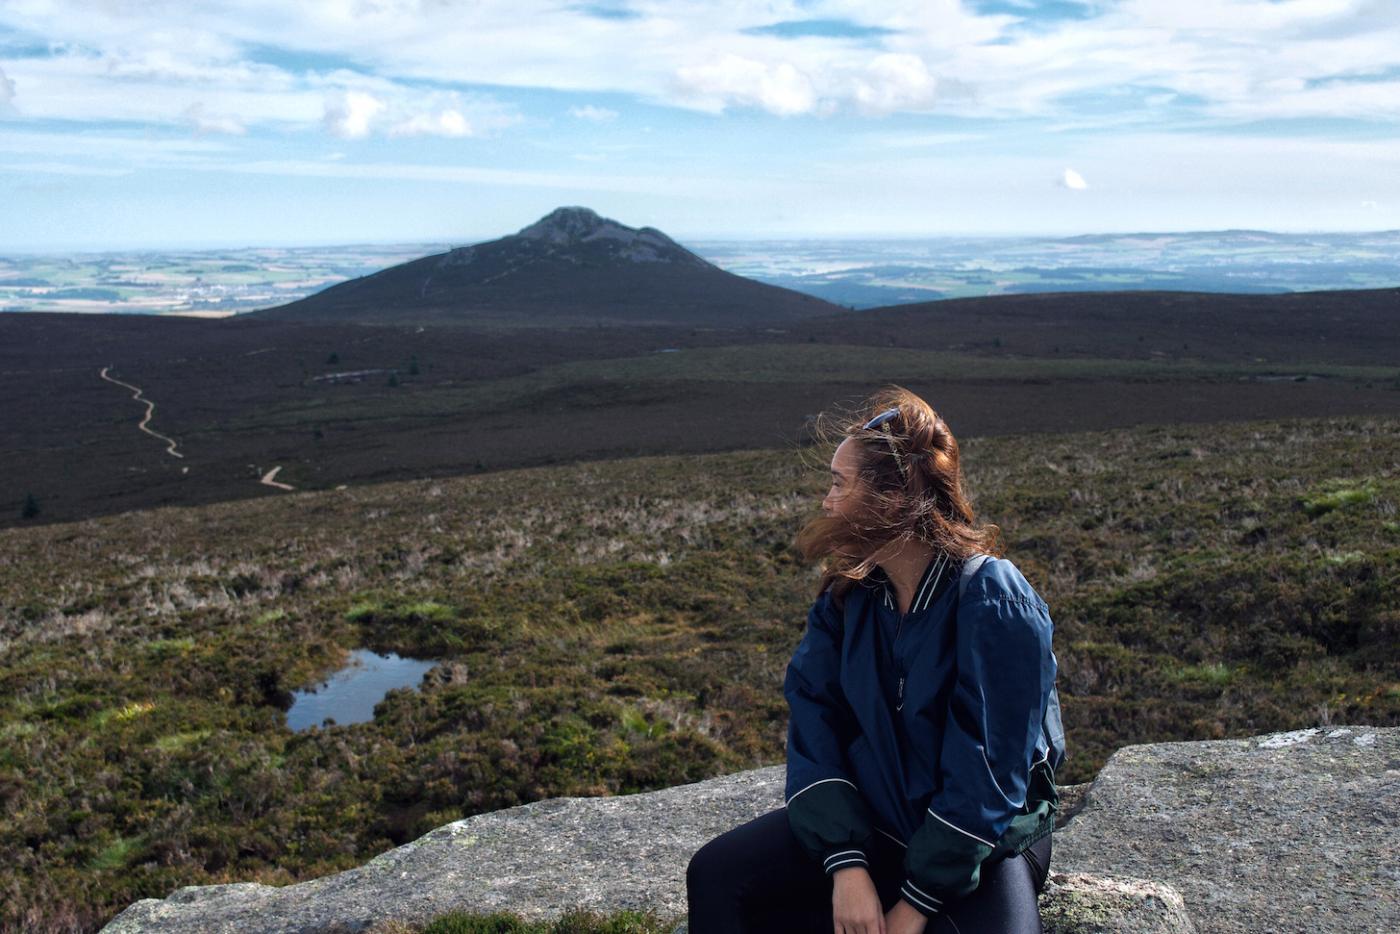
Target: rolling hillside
[(331, 403), (624, 625)]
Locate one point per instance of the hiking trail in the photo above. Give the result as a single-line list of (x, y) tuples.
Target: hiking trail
[(150, 410)]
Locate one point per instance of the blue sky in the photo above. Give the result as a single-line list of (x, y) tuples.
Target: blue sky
[(165, 123)]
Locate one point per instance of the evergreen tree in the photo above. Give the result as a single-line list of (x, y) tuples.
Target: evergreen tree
[(30, 508)]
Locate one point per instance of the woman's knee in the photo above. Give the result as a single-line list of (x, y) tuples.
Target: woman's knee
[(1004, 902), (705, 865)]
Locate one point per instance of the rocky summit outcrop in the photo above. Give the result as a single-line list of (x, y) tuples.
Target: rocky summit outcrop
[(576, 226), (1288, 832)]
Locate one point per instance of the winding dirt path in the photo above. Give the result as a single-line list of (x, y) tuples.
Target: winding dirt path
[(150, 410), (268, 478)]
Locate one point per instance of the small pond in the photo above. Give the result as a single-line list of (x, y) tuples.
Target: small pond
[(349, 695)]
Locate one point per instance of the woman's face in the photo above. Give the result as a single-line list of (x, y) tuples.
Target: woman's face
[(843, 499)]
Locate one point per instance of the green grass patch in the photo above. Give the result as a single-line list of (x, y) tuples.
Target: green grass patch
[(174, 742), (1336, 495), (1217, 674), (636, 722), (116, 854), (394, 613), (170, 648)]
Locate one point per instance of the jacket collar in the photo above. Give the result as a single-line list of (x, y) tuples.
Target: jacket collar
[(931, 584)]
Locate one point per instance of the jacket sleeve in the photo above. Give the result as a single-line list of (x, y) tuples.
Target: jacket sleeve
[(1005, 672), (826, 812)]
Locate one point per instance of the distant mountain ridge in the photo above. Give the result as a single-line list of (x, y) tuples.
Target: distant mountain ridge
[(571, 267)]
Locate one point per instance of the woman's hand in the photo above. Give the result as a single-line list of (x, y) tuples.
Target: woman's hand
[(855, 905), (904, 918)]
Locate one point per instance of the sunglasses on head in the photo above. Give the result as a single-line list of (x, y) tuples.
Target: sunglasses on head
[(883, 421)]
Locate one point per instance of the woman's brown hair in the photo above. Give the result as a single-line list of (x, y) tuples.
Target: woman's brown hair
[(911, 486)]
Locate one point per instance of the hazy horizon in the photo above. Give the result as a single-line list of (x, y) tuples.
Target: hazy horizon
[(854, 272), (683, 239)]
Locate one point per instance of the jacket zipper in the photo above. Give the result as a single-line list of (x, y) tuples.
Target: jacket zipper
[(899, 696)]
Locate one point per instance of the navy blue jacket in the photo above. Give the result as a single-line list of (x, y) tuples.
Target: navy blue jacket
[(926, 727)]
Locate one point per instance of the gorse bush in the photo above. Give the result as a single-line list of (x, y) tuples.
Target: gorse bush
[(616, 627)]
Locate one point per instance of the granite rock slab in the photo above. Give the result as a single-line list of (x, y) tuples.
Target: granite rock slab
[(1283, 832)]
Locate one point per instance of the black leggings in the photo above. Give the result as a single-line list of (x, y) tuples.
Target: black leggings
[(757, 877)]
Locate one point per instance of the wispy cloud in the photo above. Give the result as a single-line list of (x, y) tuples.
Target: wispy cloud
[(1073, 180), (398, 112), (448, 123), (606, 9), (592, 113), (61, 168), (7, 92), (111, 145), (820, 28), (453, 174), (1232, 59), (204, 122), (894, 82)]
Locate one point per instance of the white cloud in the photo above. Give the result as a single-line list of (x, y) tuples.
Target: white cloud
[(728, 80), (441, 123), (1366, 100), (78, 87), (595, 114), (350, 113), (1229, 60), (204, 122), (1073, 180), (397, 111), (7, 92), (894, 82)]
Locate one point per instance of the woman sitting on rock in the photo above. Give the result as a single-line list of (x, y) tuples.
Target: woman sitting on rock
[(924, 725)]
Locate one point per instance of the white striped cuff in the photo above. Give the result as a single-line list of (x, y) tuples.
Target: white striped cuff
[(927, 905), (843, 858)]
